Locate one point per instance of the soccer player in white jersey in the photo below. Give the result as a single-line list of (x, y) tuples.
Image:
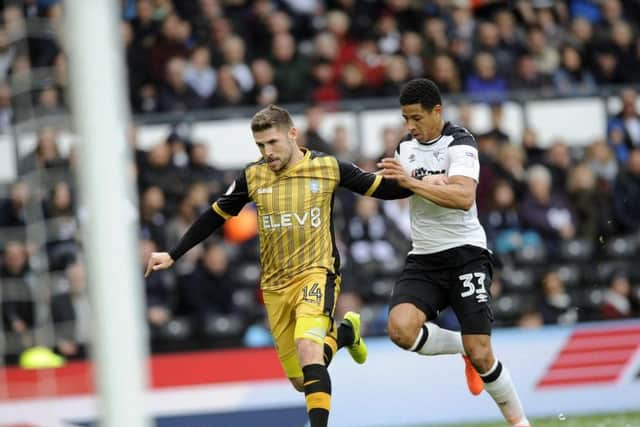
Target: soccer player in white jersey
[(449, 264)]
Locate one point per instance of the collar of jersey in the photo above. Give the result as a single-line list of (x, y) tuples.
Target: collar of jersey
[(307, 156), (430, 142), (436, 139)]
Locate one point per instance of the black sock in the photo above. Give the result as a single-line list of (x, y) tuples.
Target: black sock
[(317, 391), (346, 337), (330, 349)]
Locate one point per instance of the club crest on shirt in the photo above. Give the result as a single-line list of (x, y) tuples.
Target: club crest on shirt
[(314, 186), (412, 158), (437, 154)]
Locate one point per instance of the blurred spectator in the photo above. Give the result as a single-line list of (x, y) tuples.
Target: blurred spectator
[(511, 167), (533, 152), (444, 72), (544, 55), (584, 195), (158, 288), (602, 162), (352, 82), (7, 53), (505, 233), (341, 144), (396, 74), (411, 49), (264, 91), (485, 83), (311, 136), (527, 76), (12, 210), (6, 111), (169, 44), (617, 298), (201, 171), (572, 78), (176, 227), (291, 69), (228, 91), (46, 154), (626, 196), (199, 74), (152, 219), (497, 121), (17, 300), (559, 163), (233, 51), (177, 95), (60, 203), (545, 212), (556, 306), (160, 172), (390, 139), (628, 121), (209, 289)]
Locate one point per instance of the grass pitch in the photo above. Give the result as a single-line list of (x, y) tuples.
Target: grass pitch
[(629, 419)]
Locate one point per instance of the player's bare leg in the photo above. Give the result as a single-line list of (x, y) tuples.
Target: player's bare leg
[(409, 329), (316, 382), (496, 377)]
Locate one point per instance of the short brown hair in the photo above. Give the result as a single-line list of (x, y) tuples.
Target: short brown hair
[(269, 117)]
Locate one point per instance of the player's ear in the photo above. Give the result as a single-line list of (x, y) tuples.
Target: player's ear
[(293, 134)]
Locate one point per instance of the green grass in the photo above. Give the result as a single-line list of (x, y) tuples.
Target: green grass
[(629, 419)]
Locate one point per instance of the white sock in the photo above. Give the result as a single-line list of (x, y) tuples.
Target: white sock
[(497, 382), (433, 340)]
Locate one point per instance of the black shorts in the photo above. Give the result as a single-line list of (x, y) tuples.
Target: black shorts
[(458, 277)]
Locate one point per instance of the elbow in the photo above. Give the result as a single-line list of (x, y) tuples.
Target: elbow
[(467, 203)]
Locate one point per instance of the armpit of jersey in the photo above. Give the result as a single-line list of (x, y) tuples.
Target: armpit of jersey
[(464, 161)]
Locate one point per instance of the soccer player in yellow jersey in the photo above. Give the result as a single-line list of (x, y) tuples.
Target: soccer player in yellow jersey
[(293, 190)]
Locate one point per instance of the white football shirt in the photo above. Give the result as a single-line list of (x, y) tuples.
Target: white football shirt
[(435, 228)]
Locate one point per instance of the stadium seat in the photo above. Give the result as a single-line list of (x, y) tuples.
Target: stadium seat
[(622, 247), (521, 279), (577, 250), (511, 306), (605, 270), (531, 255), (178, 329), (570, 274), (248, 274), (221, 326)]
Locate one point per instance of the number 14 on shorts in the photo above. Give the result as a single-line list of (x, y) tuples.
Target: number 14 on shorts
[(471, 288), (312, 293)]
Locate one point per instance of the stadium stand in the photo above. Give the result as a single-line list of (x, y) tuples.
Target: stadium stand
[(563, 218)]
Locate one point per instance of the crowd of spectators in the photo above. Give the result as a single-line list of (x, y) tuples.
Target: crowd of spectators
[(548, 212), (196, 54)]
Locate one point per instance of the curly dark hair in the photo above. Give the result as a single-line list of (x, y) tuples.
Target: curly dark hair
[(421, 91)]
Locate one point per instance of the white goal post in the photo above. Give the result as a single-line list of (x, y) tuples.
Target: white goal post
[(109, 222)]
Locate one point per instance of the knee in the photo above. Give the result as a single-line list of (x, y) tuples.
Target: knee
[(297, 383), (480, 355), (403, 330)]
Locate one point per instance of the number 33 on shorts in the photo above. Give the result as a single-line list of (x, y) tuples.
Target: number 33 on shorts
[(477, 288)]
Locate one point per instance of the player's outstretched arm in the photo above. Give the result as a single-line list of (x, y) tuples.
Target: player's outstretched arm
[(370, 184)]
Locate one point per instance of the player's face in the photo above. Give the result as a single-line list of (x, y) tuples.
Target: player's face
[(276, 146), (423, 125)]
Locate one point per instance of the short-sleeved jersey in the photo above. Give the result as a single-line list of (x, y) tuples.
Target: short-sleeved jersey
[(435, 228), (295, 210)]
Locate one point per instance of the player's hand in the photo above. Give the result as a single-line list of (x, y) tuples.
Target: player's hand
[(158, 261), (392, 169)]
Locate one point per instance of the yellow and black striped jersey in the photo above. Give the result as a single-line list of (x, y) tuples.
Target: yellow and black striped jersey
[(295, 210)]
